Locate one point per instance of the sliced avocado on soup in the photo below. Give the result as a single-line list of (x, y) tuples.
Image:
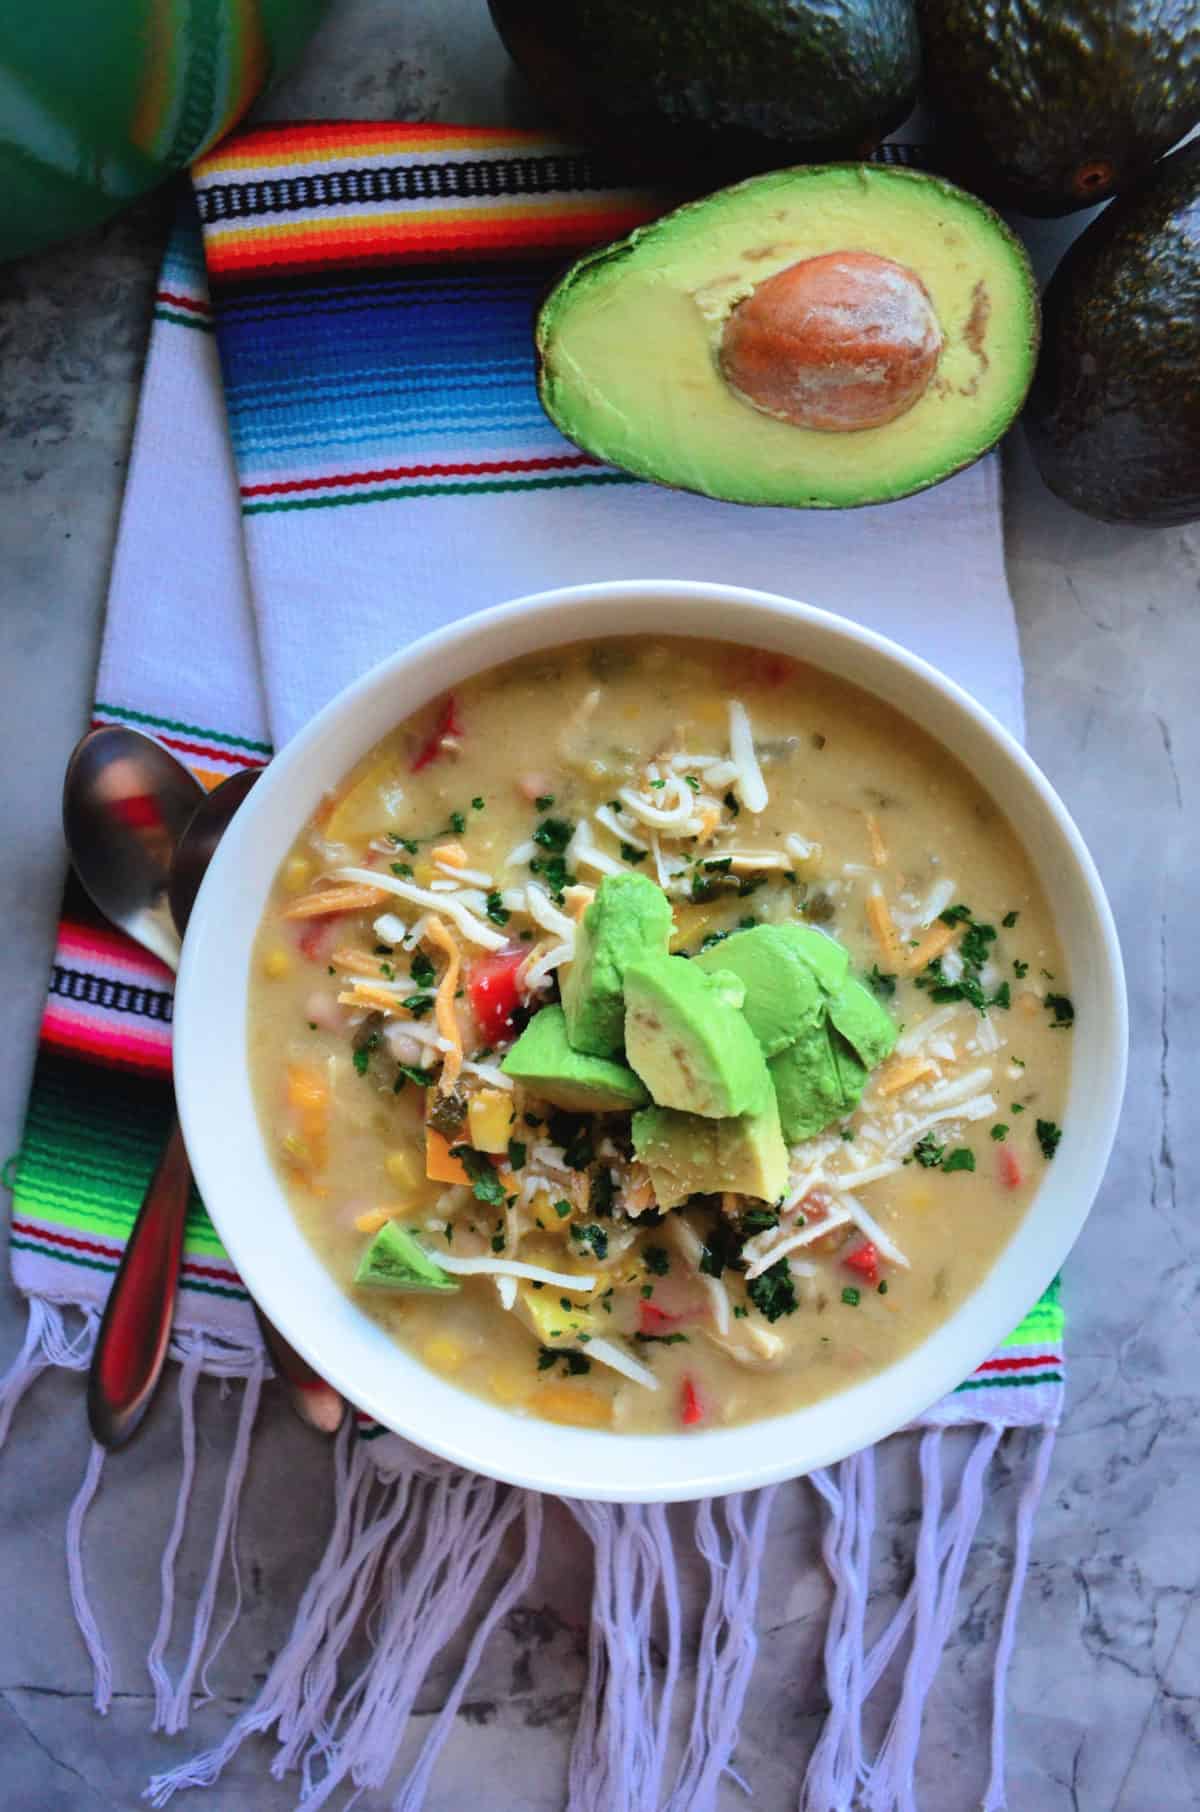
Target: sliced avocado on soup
[(396, 1260), (864, 1023), (629, 918), (818, 337), (828, 960), (544, 1061), (687, 1154), (783, 998), (688, 1040), (817, 1080)]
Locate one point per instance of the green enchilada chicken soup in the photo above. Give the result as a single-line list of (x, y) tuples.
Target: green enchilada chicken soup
[(659, 1034)]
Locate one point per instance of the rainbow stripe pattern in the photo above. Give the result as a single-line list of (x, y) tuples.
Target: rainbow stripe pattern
[(371, 288)]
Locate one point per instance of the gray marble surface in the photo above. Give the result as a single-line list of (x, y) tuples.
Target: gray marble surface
[(1105, 1696)]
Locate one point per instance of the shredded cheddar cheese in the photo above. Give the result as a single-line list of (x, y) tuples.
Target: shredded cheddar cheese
[(444, 1014), (355, 896), (935, 943)]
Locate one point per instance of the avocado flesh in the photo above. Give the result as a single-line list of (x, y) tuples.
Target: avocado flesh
[(866, 1026), (1114, 414), (630, 917), (828, 960), (783, 999), (628, 340), (817, 1080), (1056, 106), (689, 1042), (686, 1154), (545, 1063), (395, 1260)]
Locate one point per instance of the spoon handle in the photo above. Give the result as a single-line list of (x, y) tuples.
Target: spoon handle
[(313, 1400), (136, 1326)]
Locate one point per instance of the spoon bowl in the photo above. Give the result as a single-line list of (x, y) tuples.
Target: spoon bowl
[(126, 803)]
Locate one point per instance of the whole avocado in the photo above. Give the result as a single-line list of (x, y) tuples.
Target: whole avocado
[(711, 88), (1114, 413), (1053, 105)]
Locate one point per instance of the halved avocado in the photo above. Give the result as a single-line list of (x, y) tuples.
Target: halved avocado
[(819, 337)]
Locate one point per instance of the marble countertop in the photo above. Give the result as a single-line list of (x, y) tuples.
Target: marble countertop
[(1105, 1690)]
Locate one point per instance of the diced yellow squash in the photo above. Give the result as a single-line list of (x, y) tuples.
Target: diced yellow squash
[(403, 1166), (367, 806), (490, 1118), (575, 1404), (307, 1094), (551, 1323), (440, 1167)]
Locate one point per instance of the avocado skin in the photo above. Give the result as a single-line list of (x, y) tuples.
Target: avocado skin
[(1114, 414), (1053, 105), (708, 88)]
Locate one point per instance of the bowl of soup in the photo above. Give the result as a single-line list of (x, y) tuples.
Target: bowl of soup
[(649, 1040)]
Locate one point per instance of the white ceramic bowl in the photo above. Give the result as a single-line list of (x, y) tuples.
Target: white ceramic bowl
[(242, 1190)]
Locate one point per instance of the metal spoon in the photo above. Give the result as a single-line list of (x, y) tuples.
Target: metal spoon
[(127, 808)]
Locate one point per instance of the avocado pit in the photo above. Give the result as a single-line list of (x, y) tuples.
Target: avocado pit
[(843, 341)]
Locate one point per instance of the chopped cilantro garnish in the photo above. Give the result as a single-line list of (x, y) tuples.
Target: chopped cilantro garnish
[(690, 780), (749, 884), (408, 1073), (362, 1059), (562, 1209), (554, 872), (554, 833), (630, 854), (701, 888), (498, 1242), (485, 1184), (576, 1362), (739, 1313), (647, 1291), (658, 783), (593, 1236), (731, 805), (718, 865), (574, 1133), (418, 1004), (976, 943), (714, 937), (403, 869), (656, 1259), (496, 909), (773, 1293), (1020, 969), (546, 1358), (1009, 920), (1048, 1136), (928, 1152), (458, 822), (1016, 1107), (882, 1286), (477, 803), (962, 1159), (883, 985), (408, 843), (712, 1263), (1002, 997), (1063, 1010), (422, 969), (544, 801), (516, 1154), (759, 1220), (956, 915), (1000, 1131), (746, 924), (663, 1339), (851, 1297)]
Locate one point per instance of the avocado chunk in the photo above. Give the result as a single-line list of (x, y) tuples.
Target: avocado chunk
[(718, 88), (783, 998), (1114, 415), (395, 1260), (720, 349), (630, 917), (688, 1155), (867, 1027), (828, 960), (1069, 106), (817, 1080), (545, 1062), (687, 1038)]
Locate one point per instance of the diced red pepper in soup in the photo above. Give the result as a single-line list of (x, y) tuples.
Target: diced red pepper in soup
[(691, 1404), (1009, 1167), (495, 994), (654, 1320), (864, 1260), (447, 723)]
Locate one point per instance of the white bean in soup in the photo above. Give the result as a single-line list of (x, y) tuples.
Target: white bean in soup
[(659, 1034)]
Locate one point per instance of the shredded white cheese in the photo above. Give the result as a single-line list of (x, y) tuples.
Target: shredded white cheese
[(607, 1352), (465, 877), (792, 1241), (485, 1266), (936, 901), (543, 910), (751, 786), (604, 815), (472, 928), (874, 1232)]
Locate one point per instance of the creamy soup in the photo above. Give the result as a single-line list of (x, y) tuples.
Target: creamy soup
[(658, 1034)]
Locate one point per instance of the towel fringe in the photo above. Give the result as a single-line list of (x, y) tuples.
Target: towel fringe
[(995, 1799), (48, 1342), (836, 1766)]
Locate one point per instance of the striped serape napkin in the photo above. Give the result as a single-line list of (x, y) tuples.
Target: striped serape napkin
[(364, 460)]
